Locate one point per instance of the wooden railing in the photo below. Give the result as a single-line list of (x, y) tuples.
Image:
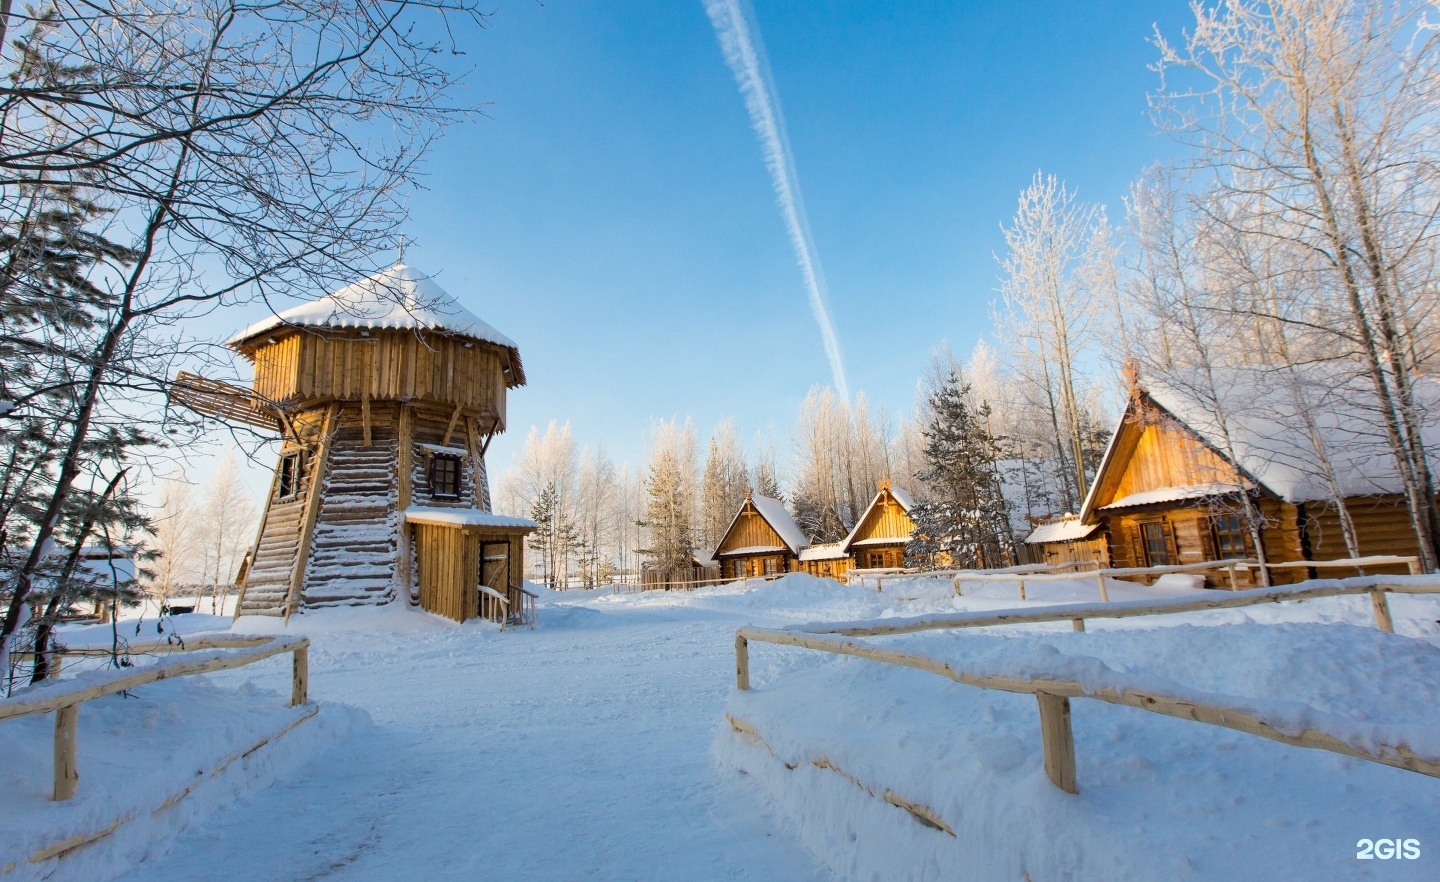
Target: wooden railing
[(201, 656), (518, 607), (1228, 566), (1053, 694)]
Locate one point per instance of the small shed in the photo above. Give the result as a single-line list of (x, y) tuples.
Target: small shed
[(827, 561), (470, 563), (880, 536), (762, 540), (1067, 540)]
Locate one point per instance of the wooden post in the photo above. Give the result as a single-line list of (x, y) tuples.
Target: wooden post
[(300, 680), (1022, 589), (742, 662), (312, 511), (67, 776), (1104, 591), (1058, 741), (955, 580), (365, 416), (1414, 566), (1234, 585), (1078, 624), (404, 476), (1381, 607)]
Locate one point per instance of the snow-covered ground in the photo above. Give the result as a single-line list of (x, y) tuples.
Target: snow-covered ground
[(596, 748)]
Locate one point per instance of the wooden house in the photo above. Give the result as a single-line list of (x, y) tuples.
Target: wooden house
[(762, 540), (385, 396), (1168, 489), (880, 535)]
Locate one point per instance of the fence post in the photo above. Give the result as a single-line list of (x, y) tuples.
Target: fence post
[(67, 776), (1022, 589), (1414, 566), (955, 580), (300, 682), (1059, 744), (1104, 592), (1381, 607), (742, 662), (1078, 624)]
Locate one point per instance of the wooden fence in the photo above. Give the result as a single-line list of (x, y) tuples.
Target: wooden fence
[(1053, 694), (204, 655)]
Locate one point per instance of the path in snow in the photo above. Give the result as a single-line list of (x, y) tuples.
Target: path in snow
[(577, 751)]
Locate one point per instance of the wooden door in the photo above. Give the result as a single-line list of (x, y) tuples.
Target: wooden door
[(495, 575)]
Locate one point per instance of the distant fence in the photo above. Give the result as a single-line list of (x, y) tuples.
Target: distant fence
[(1053, 694), (202, 655)]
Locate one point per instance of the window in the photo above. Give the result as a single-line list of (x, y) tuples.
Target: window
[(740, 569), (1230, 537), (445, 476), (1157, 544), (771, 566), (876, 560), (288, 483)]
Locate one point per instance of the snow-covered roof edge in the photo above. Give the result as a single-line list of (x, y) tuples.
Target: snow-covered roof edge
[(776, 515), (463, 517), (899, 494)]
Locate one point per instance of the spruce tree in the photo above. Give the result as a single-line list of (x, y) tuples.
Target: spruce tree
[(964, 521)]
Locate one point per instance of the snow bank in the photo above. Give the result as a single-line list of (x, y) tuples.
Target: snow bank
[(1159, 797), (179, 740)]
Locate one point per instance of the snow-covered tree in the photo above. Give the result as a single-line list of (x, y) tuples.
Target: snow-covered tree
[(723, 485), (964, 522)]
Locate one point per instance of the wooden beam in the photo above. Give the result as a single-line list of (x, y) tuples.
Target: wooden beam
[(742, 662), (300, 676), (404, 477), (1381, 608), (450, 429), (1058, 741), (365, 415), (312, 511), (472, 443)]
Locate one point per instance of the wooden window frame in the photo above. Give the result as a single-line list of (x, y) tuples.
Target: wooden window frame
[(1243, 550), (290, 475), (772, 566), (875, 560), (451, 461), (1167, 538), (739, 569)]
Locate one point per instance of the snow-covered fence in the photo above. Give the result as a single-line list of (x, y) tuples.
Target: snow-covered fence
[(202, 655), (1053, 694), (1231, 567)]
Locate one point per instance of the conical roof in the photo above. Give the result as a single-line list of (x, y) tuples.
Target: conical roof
[(397, 298)]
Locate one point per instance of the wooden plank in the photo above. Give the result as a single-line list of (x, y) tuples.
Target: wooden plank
[(67, 776), (1058, 741), (312, 511), (1381, 608), (300, 676), (404, 477)]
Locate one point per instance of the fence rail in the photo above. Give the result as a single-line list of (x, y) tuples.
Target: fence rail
[(207, 655), (1053, 694)]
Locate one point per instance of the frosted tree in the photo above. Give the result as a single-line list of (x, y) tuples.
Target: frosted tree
[(597, 514), (226, 520), (723, 485), (1047, 312), (1325, 110), (177, 541), (670, 505), (964, 523)]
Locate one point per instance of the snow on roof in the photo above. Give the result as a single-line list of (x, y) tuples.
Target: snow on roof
[(1173, 494), (1264, 412), (1063, 530), (399, 297), (703, 558), (775, 514), (826, 551), (463, 517), (903, 497)]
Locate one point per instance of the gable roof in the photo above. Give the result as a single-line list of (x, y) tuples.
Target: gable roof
[(900, 495), (1264, 413), (398, 298), (776, 515), (1068, 529)]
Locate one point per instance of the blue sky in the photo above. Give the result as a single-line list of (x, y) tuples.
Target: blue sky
[(612, 213)]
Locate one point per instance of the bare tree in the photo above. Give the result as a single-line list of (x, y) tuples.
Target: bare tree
[(226, 519)]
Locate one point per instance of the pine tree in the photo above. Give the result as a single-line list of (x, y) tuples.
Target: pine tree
[(964, 521)]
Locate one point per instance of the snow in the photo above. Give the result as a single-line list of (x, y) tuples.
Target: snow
[(775, 514), (825, 551), (399, 297), (756, 549), (463, 517), (1171, 494), (596, 748), (1065, 530)]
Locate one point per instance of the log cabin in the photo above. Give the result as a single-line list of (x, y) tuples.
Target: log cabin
[(1068, 541), (385, 396), (826, 561), (1168, 490), (762, 540), (880, 535)]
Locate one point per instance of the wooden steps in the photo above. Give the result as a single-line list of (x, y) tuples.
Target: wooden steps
[(353, 553)]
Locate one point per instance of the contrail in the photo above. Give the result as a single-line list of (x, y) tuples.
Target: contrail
[(745, 55)]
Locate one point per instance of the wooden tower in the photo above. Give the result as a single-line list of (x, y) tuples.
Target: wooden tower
[(386, 395)]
